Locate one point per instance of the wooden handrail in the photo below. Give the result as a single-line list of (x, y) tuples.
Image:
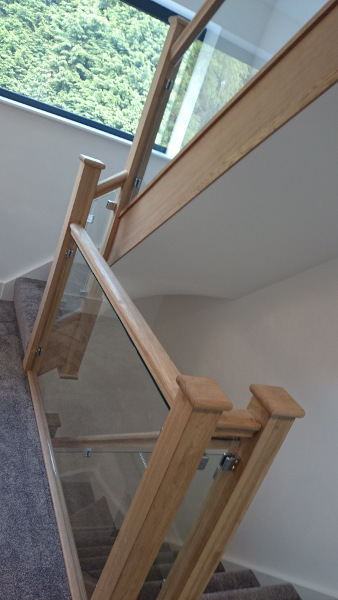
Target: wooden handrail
[(233, 424), (127, 442), (70, 555), (177, 454), (78, 210), (111, 183), (237, 423), (299, 73), (193, 29), (146, 132), (157, 360), (231, 495)]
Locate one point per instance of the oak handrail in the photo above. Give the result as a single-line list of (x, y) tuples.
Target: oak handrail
[(146, 132), (236, 423), (127, 442), (111, 183), (156, 358), (193, 29), (173, 463), (299, 73), (78, 210)]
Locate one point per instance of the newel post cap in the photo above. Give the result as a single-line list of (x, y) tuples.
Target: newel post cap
[(203, 393), (277, 401)]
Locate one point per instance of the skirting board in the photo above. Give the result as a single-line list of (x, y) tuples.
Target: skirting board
[(7, 287)]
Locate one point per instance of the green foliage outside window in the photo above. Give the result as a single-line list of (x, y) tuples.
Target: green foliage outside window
[(92, 57), (97, 58)]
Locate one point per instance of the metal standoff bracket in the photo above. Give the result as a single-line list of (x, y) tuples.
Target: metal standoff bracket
[(228, 462)]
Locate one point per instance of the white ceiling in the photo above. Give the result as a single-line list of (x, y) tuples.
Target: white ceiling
[(273, 215)]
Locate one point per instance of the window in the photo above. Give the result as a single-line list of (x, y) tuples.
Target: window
[(88, 60), (93, 61)]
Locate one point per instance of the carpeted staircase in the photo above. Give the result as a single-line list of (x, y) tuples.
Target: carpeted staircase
[(95, 533), (32, 566)]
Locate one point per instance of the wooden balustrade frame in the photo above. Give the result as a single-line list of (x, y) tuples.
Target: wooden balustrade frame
[(78, 210), (177, 454), (299, 73), (118, 442), (72, 565), (155, 357), (180, 35), (146, 132), (231, 494)]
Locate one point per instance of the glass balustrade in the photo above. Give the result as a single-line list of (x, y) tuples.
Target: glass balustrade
[(210, 464), (239, 40), (99, 218), (98, 486), (104, 413)]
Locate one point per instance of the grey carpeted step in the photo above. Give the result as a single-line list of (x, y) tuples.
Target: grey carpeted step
[(91, 551), (53, 422), (93, 564), (100, 536), (32, 564), (27, 298), (93, 516), (164, 557), (78, 495), (161, 571), (283, 591), (233, 580), (220, 581)]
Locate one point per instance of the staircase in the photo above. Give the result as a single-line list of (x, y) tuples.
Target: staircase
[(95, 532), (94, 529)]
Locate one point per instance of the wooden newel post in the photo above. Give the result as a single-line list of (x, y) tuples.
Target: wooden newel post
[(231, 495), (78, 209), (174, 461)]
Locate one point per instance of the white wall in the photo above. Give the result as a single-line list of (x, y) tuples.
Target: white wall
[(39, 161), (283, 335)]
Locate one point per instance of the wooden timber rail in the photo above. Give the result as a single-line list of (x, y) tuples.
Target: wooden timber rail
[(199, 409), (299, 73)]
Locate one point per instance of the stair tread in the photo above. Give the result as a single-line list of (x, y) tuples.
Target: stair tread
[(27, 297), (220, 582), (161, 571), (282, 591), (165, 556), (232, 580), (93, 563), (96, 514), (78, 495), (84, 537), (92, 551)]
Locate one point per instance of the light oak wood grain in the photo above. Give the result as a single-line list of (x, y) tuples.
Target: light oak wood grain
[(80, 203), (72, 564), (193, 29), (148, 126), (304, 69), (125, 442), (110, 184), (157, 360), (173, 463), (230, 497)]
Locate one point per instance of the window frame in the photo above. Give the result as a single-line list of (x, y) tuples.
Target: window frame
[(149, 7)]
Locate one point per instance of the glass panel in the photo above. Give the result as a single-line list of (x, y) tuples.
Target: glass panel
[(91, 374), (241, 38), (188, 512), (99, 217), (98, 491), (97, 395)]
